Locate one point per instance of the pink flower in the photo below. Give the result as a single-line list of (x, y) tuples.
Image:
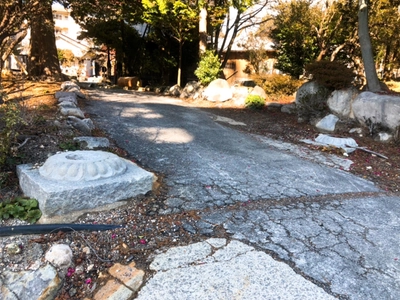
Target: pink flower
[(70, 272), (88, 281), (113, 236), (142, 241)]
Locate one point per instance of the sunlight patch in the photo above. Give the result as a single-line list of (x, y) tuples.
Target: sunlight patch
[(166, 135)]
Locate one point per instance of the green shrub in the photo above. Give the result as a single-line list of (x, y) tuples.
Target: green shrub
[(254, 102), (277, 85), (10, 115), (209, 67), (20, 208), (331, 74), (70, 145)]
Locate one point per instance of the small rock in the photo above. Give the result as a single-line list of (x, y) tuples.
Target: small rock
[(328, 123), (13, 249), (60, 255), (90, 267), (383, 137), (86, 250), (355, 130), (289, 108)]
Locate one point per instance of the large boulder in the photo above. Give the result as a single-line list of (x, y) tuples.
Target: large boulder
[(308, 88), (190, 89), (311, 100), (339, 102), (377, 110), (259, 91), (218, 91), (175, 90)]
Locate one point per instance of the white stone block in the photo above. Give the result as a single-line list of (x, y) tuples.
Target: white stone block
[(68, 187)]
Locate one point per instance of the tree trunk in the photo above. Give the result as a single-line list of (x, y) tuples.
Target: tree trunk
[(178, 80), (43, 58), (203, 31), (366, 48)]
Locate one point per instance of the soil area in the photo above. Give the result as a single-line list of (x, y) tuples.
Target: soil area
[(146, 231)]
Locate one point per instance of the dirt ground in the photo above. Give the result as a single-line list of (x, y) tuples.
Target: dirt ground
[(146, 231)]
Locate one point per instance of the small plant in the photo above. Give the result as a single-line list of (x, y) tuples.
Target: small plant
[(330, 74), (277, 85), (11, 121), (209, 67), (20, 208), (69, 145), (254, 102)]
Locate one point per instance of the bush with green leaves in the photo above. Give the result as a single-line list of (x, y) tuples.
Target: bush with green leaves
[(254, 102), (20, 208), (333, 75), (209, 67), (277, 85), (10, 122)]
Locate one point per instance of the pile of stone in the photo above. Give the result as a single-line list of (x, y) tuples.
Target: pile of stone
[(45, 281), (67, 99), (378, 114)]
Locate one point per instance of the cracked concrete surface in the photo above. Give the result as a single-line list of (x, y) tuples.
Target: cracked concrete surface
[(313, 219), (215, 269), (352, 246)]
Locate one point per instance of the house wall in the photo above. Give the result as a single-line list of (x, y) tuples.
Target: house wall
[(238, 62)]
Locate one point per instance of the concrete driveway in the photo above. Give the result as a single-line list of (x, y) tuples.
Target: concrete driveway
[(311, 218)]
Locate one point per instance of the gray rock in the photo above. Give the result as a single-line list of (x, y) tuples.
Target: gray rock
[(357, 130), (69, 99), (339, 102), (384, 137), (77, 91), (68, 84), (175, 90), (274, 106), (308, 88), (218, 91), (85, 126), (289, 108), (327, 123), (43, 283), (67, 104), (373, 109), (89, 142), (190, 89), (61, 94), (72, 111)]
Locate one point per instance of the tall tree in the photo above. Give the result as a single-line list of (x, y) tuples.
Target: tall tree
[(110, 23), (294, 35), (176, 18), (13, 25), (366, 48), (43, 58)]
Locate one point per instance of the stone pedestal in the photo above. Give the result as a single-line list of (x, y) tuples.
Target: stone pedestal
[(72, 183)]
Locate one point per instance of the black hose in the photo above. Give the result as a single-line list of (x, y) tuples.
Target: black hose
[(49, 228)]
